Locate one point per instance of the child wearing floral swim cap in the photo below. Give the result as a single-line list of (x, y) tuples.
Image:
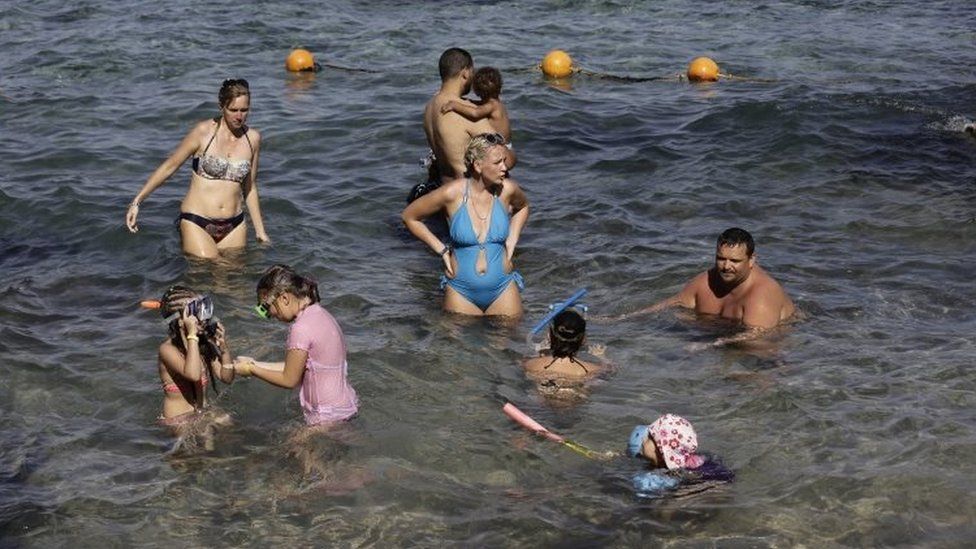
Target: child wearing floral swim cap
[(670, 443)]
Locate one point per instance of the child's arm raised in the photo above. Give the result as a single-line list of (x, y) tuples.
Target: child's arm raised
[(222, 368)]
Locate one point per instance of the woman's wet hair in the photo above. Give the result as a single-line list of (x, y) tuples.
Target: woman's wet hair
[(478, 148), (487, 83), (566, 334), (282, 278), (231, 89)]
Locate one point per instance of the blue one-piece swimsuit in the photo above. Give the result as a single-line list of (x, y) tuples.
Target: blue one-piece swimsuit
[(480, 289)]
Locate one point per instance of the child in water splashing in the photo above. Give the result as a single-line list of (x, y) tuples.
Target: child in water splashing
[(195, 353), (558, 370)]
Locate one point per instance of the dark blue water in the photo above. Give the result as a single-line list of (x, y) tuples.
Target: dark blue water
[(841, 150)]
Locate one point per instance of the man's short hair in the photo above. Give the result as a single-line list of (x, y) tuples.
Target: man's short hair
[(736, 237), (453, 61)]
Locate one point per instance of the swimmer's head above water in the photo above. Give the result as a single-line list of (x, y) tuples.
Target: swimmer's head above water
[(234, 99), (734, 256), (668, 442), (456, 63), (280, 280), (567, 332), (180, 300), (488, 83), (477, 152), (177, 298), (231, 89)]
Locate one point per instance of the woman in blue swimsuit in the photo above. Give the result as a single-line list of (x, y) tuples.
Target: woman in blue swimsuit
[(486, 212), (225, 167)]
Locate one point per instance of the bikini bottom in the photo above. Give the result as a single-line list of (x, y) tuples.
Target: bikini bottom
[(216, 228)]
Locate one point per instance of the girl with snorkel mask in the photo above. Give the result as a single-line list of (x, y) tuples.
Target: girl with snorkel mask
[(195, 353)]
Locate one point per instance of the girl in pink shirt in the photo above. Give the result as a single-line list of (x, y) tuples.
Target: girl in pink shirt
[(316, 350)]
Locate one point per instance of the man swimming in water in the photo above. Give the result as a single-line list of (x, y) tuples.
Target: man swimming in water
[(735, 288), (448, 133)]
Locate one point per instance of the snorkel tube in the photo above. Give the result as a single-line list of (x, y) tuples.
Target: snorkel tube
[(557, 308), (518, 416)]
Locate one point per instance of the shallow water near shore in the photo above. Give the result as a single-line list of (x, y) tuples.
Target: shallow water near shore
[(847, 162)]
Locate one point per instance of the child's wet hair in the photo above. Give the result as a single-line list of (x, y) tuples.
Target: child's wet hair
[(175, 298), (566, 333), (487, 83), (282, 278)]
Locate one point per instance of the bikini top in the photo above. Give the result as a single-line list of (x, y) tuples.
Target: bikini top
[(209, 166), (183, 385), (462, 230)]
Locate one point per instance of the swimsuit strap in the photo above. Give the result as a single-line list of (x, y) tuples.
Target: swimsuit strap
[(212, 137), (248, 141), (571, 359), (467, 185)]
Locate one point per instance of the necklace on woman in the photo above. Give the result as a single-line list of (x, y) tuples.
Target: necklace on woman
[(490, 203)]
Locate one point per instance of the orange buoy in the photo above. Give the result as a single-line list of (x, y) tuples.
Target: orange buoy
[(300, 60), (702, 69), (151, 304), (557, 64)]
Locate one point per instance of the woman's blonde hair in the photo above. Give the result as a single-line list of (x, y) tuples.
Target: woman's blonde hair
[(478, 148)]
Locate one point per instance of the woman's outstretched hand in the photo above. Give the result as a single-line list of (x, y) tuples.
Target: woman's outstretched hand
[(130, 218)]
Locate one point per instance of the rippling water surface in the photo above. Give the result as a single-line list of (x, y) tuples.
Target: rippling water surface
[(844, 156)]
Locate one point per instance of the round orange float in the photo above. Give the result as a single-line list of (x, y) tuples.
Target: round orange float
[(702, 69), (557, 64), (300, 60)]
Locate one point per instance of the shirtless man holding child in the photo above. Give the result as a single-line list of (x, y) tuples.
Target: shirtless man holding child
[(448, 133)]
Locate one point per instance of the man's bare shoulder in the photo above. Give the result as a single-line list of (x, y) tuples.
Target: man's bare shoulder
[(699, 282), (767, 285), (769, 294)]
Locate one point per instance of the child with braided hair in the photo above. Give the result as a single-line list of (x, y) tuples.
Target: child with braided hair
[(195, 352)]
